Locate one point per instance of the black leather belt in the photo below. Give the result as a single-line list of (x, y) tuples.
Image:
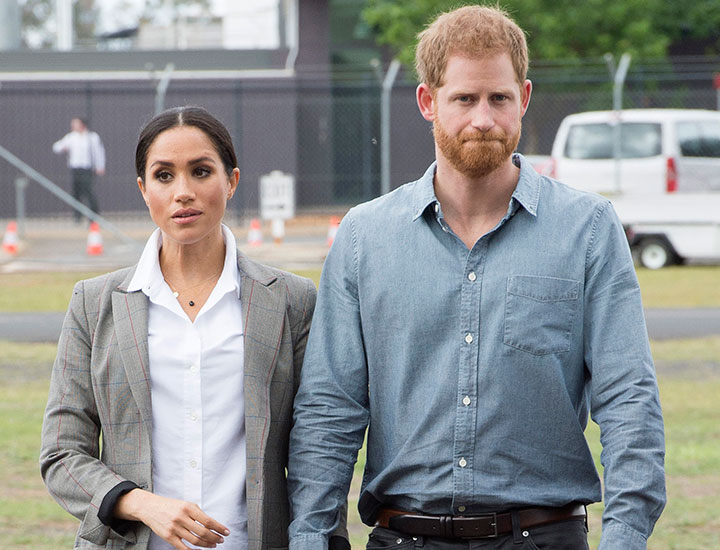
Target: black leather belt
[(474, 527)]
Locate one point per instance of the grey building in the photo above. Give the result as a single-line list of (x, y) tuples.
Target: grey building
[(282, 107)]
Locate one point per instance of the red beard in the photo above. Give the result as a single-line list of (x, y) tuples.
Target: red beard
[(475, 154)]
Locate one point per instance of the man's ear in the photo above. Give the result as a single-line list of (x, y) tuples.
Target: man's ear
[(526, 93), (426, 101)]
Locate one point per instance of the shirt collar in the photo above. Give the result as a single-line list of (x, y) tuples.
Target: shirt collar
[(229, 280), (424, 194), (527, 191), (149, 278)]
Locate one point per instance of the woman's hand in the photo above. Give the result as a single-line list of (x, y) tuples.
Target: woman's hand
[(171, 519)]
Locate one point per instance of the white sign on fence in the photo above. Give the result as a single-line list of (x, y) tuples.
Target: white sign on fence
[(277, 196)]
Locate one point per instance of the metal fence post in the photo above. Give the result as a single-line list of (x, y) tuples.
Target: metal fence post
[(387, 86), (21, 184), (618, 77), (162, 86)]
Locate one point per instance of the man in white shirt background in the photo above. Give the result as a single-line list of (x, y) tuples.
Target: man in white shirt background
[(85, 155)]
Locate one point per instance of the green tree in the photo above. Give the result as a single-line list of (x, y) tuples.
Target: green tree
[(561, 29), (699, 19)]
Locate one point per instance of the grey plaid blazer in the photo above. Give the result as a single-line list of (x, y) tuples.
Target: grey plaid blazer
[(100, 389)]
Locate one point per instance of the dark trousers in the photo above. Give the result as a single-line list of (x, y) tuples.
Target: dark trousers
[(82, 181), (563, 535)]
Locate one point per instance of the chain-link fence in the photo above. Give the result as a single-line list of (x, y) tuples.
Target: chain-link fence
[(323, 131)]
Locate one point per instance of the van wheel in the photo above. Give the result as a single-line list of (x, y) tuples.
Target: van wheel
[(655, 253)]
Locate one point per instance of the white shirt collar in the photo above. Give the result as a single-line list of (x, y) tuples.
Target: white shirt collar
[(149, 278)]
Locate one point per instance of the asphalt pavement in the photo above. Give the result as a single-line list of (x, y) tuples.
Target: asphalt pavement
[(663, 324)]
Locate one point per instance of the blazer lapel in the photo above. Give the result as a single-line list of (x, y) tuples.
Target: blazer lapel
[(130, 315), (263, 301)]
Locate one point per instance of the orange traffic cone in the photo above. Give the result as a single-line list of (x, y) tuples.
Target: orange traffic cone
[(10, 239), (255, 237), (333, 229), (94, 240)]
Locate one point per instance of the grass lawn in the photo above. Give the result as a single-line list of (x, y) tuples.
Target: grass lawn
[(680, 286), (683, 286), (29, 518), (689, 386), (42, 291)]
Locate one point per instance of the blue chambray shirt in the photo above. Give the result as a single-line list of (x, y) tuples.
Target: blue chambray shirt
[(475, 370)]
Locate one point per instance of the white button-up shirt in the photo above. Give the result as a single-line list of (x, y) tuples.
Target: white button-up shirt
[(84, 149), (196, 378)]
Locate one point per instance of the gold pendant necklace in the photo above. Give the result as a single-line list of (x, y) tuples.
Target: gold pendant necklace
[(191, 303), (176, 294)]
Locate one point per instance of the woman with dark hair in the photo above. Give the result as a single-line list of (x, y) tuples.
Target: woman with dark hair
[(171, 396)]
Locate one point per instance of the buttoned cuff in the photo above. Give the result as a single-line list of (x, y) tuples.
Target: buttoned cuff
[(105, 512), (309, 542), (618, 536)]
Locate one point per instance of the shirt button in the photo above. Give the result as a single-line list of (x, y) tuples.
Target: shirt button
[(472, 276), (462, 462), (461, 508), (466, 400), (193, 416), (193, 369), (469, 338), (193, 464)]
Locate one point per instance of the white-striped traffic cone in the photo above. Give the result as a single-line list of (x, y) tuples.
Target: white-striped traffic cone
[(255, 237), (94, 240), (10, 239)]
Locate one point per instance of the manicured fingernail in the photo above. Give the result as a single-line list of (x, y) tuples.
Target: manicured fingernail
[(226, 532)]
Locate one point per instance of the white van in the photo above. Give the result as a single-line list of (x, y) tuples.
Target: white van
[(664, 182), (660, 151)]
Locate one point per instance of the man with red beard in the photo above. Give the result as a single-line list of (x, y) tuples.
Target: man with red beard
[(472, 321)]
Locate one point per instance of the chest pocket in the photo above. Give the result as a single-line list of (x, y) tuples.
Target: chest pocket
[(539, 313)]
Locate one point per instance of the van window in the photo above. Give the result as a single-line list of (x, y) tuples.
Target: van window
[(699, 139), (595, 141)]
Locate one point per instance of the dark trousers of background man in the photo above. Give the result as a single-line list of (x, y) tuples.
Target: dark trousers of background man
[(82, 180)]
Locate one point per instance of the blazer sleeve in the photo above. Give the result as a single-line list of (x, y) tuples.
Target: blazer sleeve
[(70, 453), (301, 303)]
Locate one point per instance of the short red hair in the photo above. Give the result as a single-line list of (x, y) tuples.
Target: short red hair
[(471, 31)]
